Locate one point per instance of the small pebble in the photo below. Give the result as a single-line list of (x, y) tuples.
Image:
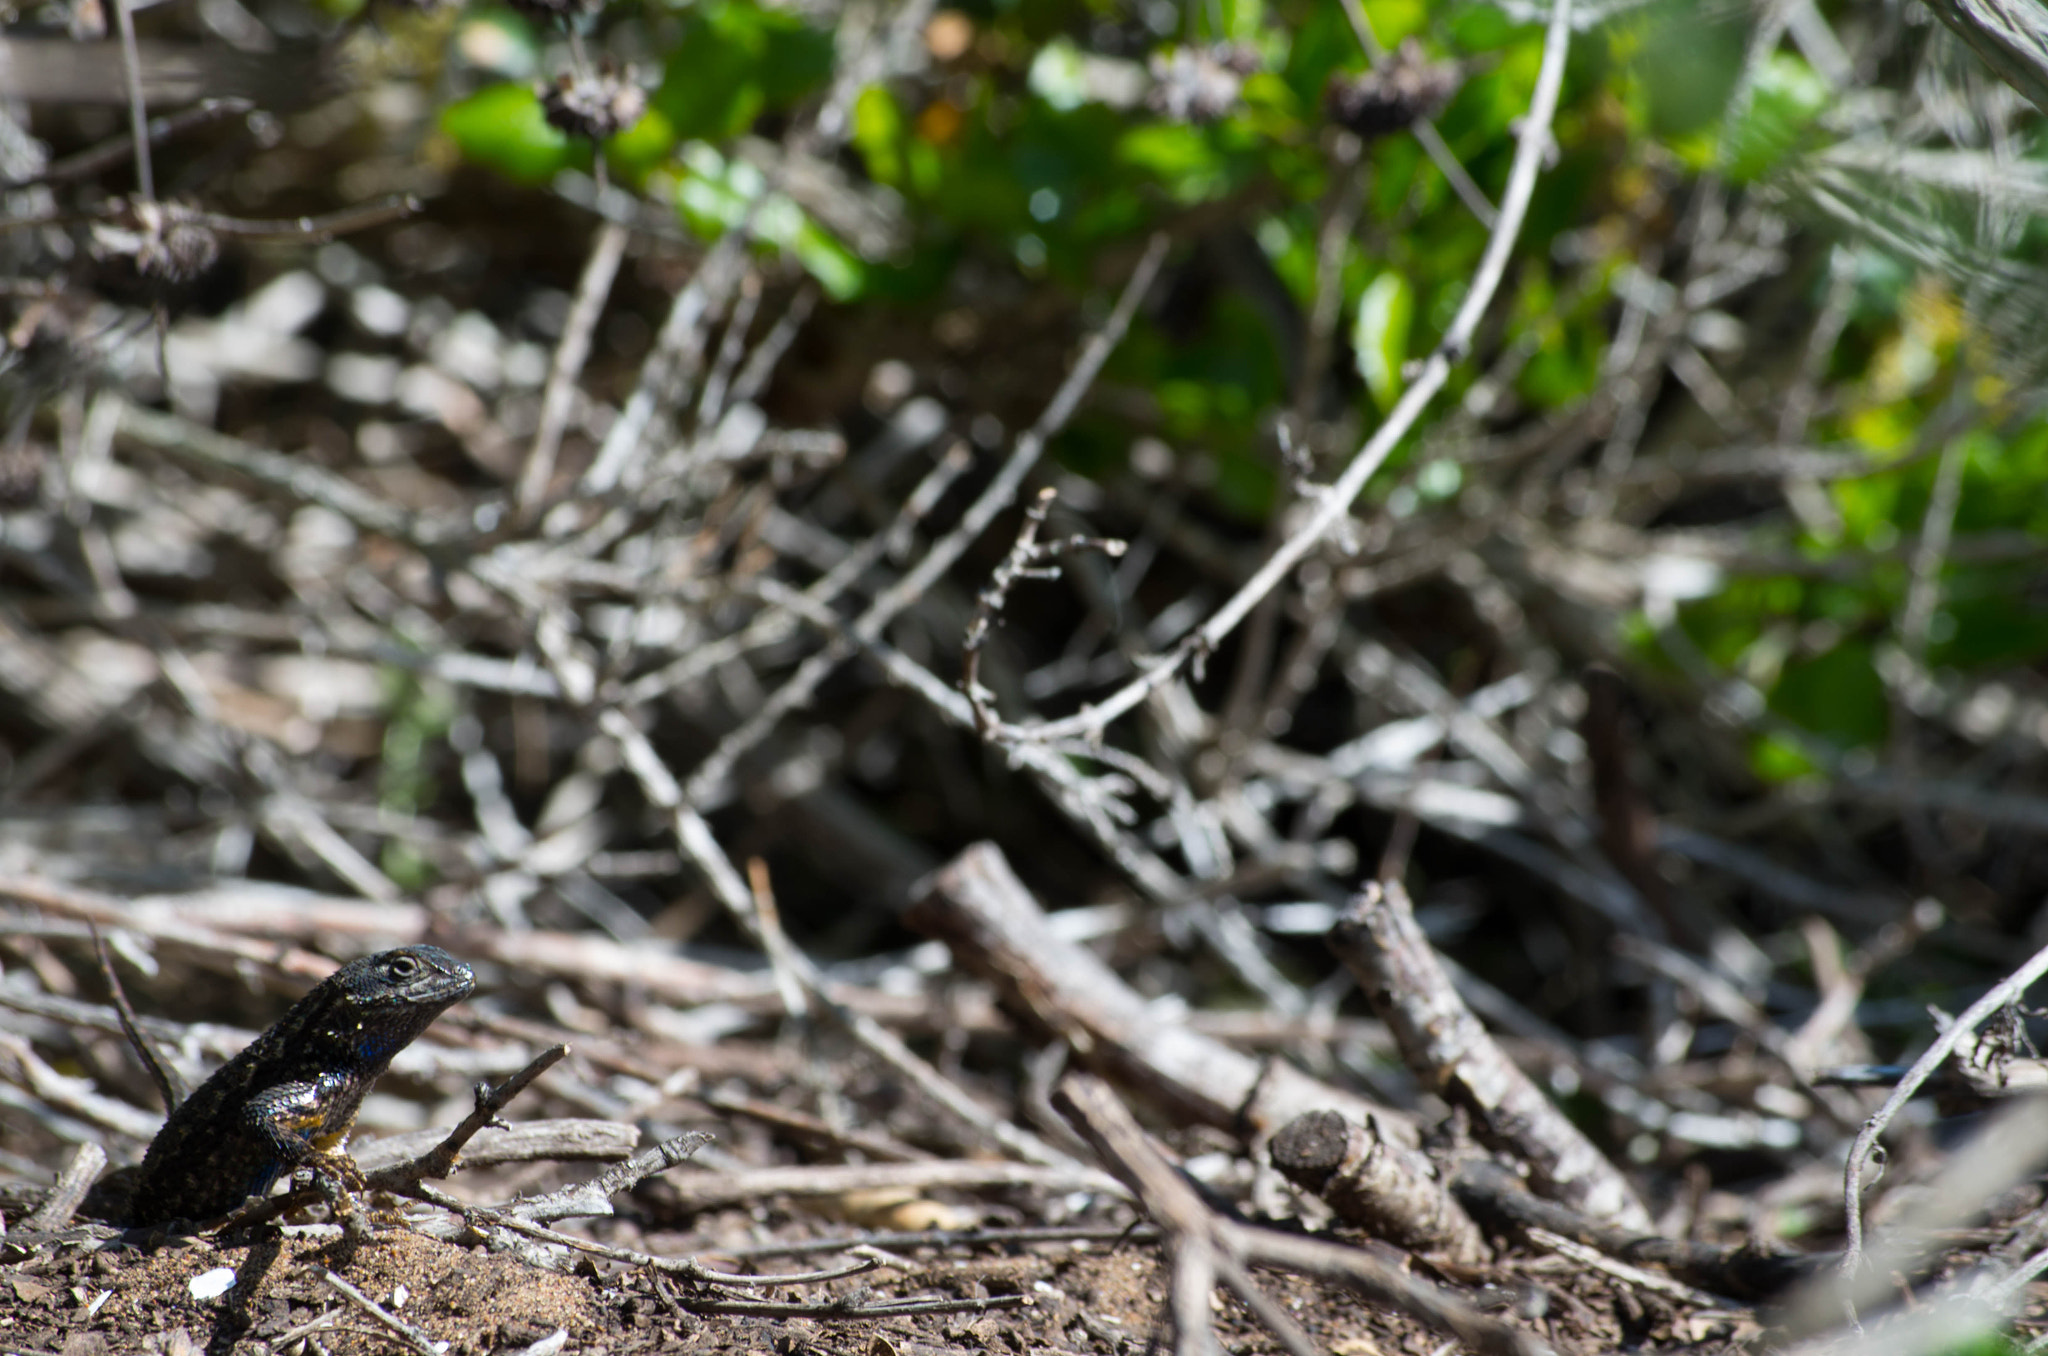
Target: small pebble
[(212, 1284)]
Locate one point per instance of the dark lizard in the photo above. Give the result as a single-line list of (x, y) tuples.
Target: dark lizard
[(289, 1100)]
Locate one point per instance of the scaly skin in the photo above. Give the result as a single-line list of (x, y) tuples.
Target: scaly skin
[(289, 1100)]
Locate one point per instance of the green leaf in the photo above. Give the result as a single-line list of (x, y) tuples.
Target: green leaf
[(1687, 58), (1393, 20), (1179, 156), (734, 62), (1243, 20), (838, 269), (879, 131), (503, 128), (1776, 759), (1380, 335), (641, 149), (1837, 695), (1787, 97), (2002, 625)]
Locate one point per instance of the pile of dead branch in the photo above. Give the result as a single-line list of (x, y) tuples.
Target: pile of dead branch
[(999, 861)]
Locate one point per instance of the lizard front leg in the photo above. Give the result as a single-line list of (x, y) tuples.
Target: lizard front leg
[(305, 1123)]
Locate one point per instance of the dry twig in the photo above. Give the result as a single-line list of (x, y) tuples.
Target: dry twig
[(1207, 1246), (1379, 942)]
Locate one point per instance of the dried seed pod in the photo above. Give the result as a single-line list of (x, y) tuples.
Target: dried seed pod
[(159, 242), (1199, 83), (1394, 95), (594, 105)]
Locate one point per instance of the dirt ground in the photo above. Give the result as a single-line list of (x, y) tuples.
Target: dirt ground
[(848, 1218), (1079, 1296)]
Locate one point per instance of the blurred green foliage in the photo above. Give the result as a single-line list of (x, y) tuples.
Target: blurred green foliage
[(502, 127), (1983, 1344), (417, 718), (1025, 145)]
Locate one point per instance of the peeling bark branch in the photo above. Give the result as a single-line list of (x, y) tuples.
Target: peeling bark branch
[(1380, 943)]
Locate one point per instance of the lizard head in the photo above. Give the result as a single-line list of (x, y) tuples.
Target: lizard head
[(395, 994)]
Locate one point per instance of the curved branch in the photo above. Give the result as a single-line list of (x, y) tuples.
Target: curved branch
[(1530, 147)]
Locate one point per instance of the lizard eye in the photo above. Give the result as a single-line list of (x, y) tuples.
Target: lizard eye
[(404, 967)]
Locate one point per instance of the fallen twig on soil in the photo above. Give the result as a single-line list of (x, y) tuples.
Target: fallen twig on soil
[(557, 1140), (1207, 1247), (978, 907), (717, 1190), (1748, 1273), (1379, 942), (72, 1185), (1345, 1164), (409, 1334)]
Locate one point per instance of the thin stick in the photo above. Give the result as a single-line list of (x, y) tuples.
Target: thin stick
[(110, 153), (948, 1240), (1027, 560), (440, 1160), (705, 1191), (395, 207), (592, 288), (775, 942), (415, 1338), (138, 112), (592, 1198), (166, 1078), (711, 401), (848, 1309), (1187, 1299), (2008, 991)]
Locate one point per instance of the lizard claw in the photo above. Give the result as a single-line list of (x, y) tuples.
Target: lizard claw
[(344, 1170)]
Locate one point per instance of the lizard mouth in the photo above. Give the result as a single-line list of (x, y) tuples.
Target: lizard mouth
[(442, 988)]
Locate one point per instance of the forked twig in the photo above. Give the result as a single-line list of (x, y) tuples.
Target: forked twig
[(1029, 558), (996, 496), (2006, 992), (440, 1160)]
